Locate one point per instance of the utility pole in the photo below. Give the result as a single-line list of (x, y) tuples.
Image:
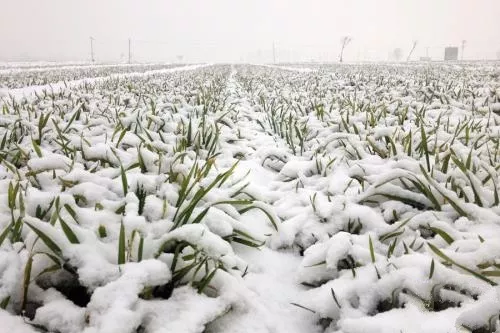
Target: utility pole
[(92, 49), (274, 53), (463, 47), (129, 50)]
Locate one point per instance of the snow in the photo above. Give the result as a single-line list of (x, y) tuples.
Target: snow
[(59, 86), (10, 273), (12, 67), (412, 320), (70, 320), (185, 312), (335, 219), (112, 307), (290, 68), (13, 324), (49, 163)]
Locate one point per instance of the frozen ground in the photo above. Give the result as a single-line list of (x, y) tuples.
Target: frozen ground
[(263, 199)]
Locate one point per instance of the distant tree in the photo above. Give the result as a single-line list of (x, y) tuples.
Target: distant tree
[(397, 54), (344, 41), (412, 49)]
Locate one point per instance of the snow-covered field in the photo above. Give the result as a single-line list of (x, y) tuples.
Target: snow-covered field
[(247, 198), (19, 77)]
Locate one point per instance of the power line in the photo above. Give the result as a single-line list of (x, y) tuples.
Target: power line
[(305, 50)]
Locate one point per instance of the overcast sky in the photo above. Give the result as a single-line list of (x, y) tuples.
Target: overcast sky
[(244, 30)]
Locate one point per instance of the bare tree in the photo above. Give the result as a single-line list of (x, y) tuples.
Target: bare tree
[(345, 40), (412, 49)]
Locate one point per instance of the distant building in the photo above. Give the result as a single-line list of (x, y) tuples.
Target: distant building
[(451, 53), (397, 54), (425, 59)]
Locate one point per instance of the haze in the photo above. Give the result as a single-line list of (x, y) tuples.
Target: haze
[(244, 30)]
